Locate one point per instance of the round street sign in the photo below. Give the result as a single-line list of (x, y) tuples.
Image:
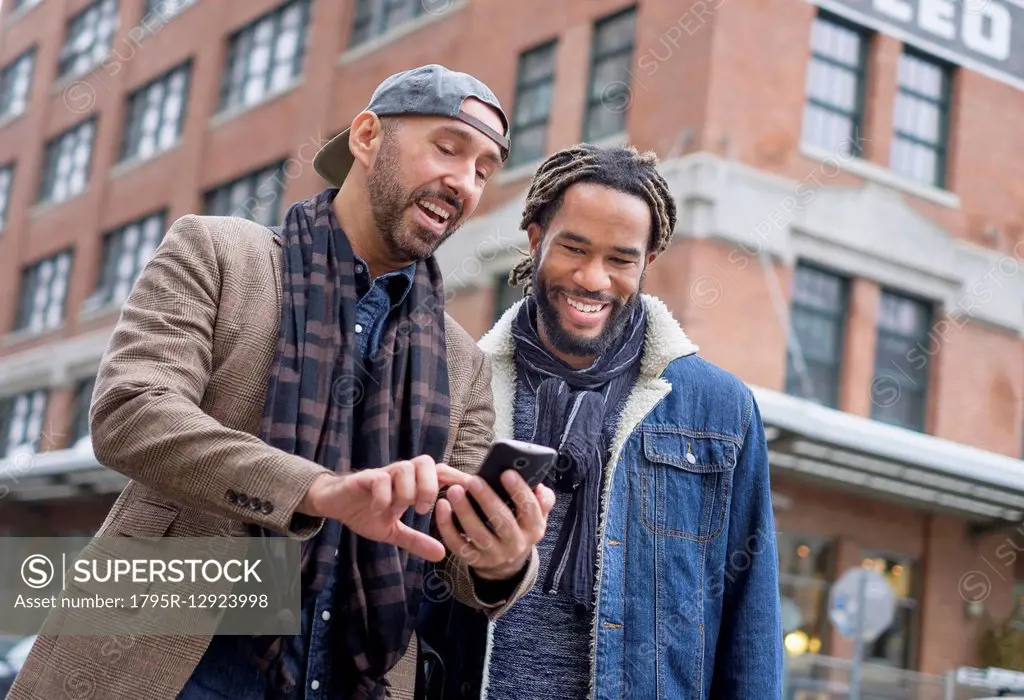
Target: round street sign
[(879, 603)]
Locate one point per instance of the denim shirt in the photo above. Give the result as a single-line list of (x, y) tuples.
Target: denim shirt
[(377, 299), (226, 670)]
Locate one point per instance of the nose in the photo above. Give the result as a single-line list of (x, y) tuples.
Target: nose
[(461, 182), (592, 276)]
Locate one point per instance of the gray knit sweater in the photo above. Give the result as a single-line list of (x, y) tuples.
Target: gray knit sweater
[(541, 645)]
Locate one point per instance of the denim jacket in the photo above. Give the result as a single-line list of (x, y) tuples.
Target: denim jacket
[(687, 586)]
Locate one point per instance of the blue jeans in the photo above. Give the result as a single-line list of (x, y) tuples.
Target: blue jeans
[(226, 672)]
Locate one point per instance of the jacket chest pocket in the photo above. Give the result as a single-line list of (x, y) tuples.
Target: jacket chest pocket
[(686, 482)]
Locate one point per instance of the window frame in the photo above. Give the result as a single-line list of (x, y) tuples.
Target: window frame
[(840, 318), (79, 426), (51, 158), (858, 117), (30, 54), (6, 413), (25, 311), (822, 625), (503, 294), (133, 127), (113, 250), (944, 105), (241, 41), (377, 13), (595, 58), (6, 192), (529, 86), (911, 603), (259, 177), (925, 393), (65, 62)]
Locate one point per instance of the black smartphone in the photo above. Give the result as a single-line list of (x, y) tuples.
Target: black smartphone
[(533, 462)]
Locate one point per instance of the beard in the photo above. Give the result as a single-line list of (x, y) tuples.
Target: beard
[(389, 201), (569, 343)]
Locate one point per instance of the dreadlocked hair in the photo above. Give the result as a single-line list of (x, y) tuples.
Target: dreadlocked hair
[(620, 168)]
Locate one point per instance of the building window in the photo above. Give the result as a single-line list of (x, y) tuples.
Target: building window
[(17, 5), (166, 9), (15, 80), (377, 17), (815, 347), (6, 181), (90, 34), (610, 56), (266, 56), (834, 111), (535, 81), (921, 119), (66, 163), (80, 418), (805, 577), (44, 288), (256, 196), (21, 421), (505, 295), (126, 251), (156, 114), (899, 387), (895, 646)]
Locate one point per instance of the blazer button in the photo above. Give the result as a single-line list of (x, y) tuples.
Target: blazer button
[(231, 496), (254, 504), (267, 508), (243, 500)]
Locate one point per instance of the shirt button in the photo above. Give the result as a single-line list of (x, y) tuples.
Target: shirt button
[(359, 328), (359, 269), (314, 685), (335, 552), (326, 615)]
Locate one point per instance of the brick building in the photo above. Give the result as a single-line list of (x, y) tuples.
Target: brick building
[(850, 238)]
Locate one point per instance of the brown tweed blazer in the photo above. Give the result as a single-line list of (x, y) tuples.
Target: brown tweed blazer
[(177, 404)]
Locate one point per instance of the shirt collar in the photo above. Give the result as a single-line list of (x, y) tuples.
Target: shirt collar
[(397, 283)]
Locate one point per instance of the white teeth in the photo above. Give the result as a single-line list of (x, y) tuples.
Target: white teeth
[(585, 308), (434, 208)]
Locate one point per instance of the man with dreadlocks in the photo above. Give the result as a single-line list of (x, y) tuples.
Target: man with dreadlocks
[(658, 573)]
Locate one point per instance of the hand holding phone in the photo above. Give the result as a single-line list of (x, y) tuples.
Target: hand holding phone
[(532, 462), (494, 528)]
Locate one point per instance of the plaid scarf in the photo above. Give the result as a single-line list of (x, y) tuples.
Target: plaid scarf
[(323, 406)]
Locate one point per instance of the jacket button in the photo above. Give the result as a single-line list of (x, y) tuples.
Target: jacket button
[(267, 508), (231, 496), (254, 504), (243, 500)]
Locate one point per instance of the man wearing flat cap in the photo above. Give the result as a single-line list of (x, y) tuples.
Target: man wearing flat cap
[(305, 381)]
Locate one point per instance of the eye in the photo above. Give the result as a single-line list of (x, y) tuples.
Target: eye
[(445, 149), (622, 261), (574, 251), (481, 174)]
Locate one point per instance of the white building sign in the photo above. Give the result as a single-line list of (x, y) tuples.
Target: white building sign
[(986, 36)]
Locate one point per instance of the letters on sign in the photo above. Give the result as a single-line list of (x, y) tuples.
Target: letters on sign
[(982, 35)]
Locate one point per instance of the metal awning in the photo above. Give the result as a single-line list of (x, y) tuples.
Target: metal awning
[(805, 439), (57, 474), (868, 456)]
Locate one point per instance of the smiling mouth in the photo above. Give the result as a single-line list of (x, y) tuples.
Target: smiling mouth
[(584, 306), (433, 211)]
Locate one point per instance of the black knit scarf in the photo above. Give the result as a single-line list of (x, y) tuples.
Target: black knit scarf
[(320, 402), (572, 407)]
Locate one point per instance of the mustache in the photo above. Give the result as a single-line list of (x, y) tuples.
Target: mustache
[(583, 294)]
